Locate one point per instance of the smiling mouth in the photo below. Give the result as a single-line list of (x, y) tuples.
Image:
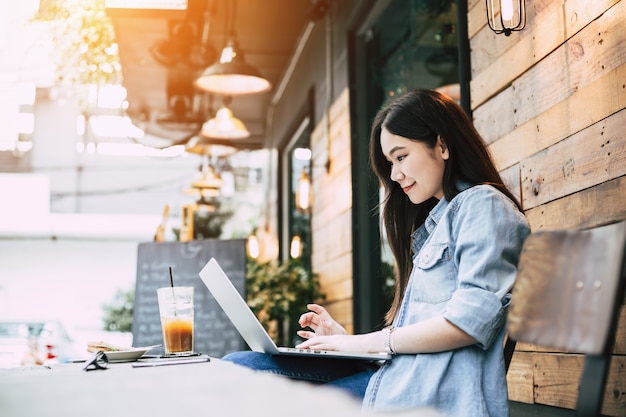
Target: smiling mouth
[(407, 188)]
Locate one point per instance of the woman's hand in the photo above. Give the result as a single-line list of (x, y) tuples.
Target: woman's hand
[(369, 342), (320, 322)]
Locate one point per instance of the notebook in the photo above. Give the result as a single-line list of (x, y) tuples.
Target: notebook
[(249, 326)]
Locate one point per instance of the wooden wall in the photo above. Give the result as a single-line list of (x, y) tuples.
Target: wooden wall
[(331, 218), (551, 102)]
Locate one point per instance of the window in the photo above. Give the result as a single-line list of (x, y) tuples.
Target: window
[(296, 242)]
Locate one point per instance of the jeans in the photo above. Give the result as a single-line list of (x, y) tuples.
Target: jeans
[(347, 374)]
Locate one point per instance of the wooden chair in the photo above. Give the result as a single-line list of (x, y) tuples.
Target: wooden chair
[(568, 293)]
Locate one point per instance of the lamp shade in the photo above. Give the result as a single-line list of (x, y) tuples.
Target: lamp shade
[(209, 180), (233, 79), (224, 126), (232, 76)]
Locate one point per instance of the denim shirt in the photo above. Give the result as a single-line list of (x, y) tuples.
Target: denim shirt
[(464, 266)]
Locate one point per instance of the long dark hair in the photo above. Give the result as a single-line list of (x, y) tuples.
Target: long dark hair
[(424, 115)]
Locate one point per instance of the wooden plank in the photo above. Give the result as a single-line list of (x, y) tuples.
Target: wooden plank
[(332, 191), (476, 17), (591, 157), (520, 378), (620, 337), (341, 106), (332, 215), (619, 347), (556, 379), (335, 270), (342, 313), (572, 115), (586, 208), (487, 47), (332, 238), (614, 403), (331, 143), (584, 312), (556, 24), (494, 119), (340, 155), (511, 178), (522, 100), (341, 290), (332, 195), (497, 60), (529, 347), (589, 55), (553, 380)]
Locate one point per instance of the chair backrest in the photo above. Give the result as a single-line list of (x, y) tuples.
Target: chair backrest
[(567, 295), (569, 288)]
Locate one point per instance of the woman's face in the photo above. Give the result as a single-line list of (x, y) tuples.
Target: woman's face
[(418, 169)]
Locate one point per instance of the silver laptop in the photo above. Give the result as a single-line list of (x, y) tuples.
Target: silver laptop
[(249, 326)]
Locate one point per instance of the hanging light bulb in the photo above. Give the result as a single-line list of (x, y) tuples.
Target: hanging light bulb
[(506, 16)]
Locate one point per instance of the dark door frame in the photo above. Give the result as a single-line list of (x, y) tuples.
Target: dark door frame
[(366, 246)]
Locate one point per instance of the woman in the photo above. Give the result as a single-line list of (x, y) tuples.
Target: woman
[(456, 233)]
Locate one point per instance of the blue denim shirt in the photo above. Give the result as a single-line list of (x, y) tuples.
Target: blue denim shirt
[(464, 266)]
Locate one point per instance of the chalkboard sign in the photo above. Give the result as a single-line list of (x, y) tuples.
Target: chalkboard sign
[(214, 334)]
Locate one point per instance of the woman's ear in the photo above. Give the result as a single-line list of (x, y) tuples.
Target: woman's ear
[(441, 145)]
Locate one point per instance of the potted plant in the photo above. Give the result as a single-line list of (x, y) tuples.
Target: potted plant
[(278, 294)]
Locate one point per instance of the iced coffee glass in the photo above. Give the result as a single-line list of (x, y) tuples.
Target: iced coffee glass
[(176, 310)]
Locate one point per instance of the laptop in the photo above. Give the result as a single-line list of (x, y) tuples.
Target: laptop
[(251, 328)]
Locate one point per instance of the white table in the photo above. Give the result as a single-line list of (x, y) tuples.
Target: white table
[(215, 389)]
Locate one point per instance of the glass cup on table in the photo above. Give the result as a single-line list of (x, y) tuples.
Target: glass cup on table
[(176, 311)]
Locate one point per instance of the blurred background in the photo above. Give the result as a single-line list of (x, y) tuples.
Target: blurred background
[(82, 184)]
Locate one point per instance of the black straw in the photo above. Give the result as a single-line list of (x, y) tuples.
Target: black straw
[(173, 293)]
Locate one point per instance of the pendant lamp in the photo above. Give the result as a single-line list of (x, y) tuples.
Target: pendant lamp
[(224, 126), (207, 184), (232, 75), (506, 16)]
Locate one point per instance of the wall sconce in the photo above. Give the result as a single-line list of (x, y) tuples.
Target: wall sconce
[(252, 246), (295, 249), (303, 192), (262, 245), (232, 76), (506, 16)]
